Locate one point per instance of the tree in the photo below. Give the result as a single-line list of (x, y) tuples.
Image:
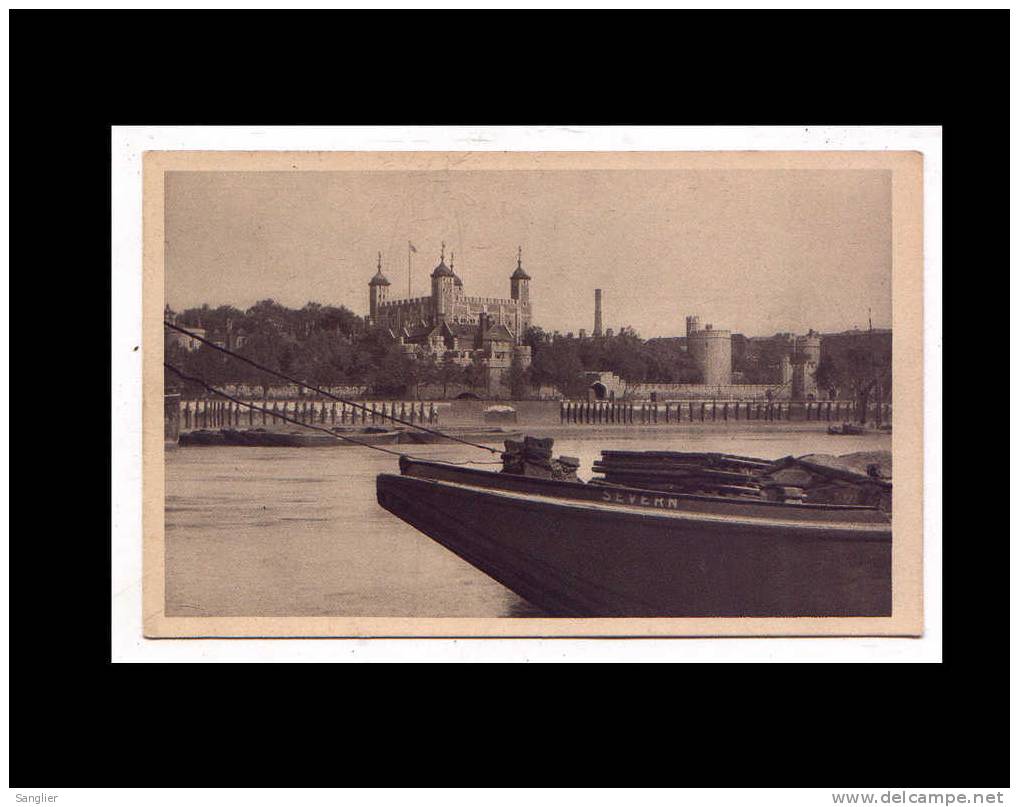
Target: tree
[(518, 379), (829, 375), (861, 372), (558, 363), (323, 358), (449, 372), (266, 349), (426, 370), (397, 373), (473, 374), (269, 316)]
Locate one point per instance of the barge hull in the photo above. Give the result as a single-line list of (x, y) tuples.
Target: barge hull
[(588, 560)]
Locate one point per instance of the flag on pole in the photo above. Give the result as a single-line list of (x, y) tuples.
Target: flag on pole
[(411, 247)]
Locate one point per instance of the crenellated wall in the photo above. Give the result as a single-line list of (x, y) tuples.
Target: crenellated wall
[(709, 392)]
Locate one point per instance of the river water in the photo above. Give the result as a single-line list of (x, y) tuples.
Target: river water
[(297, 532)]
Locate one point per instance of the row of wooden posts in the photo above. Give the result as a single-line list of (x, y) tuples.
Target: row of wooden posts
[(206, 414), (649, 414)]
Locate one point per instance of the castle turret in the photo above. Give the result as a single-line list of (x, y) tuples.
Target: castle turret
[(378, 292), (443, 286), (520, 291), (808, 348), (712, 351), (806, 357), (458, 284)]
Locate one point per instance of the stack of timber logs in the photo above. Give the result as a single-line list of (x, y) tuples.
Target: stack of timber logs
[(683, 472)]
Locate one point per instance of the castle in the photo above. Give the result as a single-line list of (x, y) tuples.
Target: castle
[(452, 327), (712, 350)]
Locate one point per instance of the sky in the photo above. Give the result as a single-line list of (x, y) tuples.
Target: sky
[(753, 251)]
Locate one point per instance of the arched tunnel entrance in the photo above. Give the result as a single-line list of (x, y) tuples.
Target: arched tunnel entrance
[(600, 391)]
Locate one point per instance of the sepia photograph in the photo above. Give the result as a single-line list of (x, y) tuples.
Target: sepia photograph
[(533, 394)]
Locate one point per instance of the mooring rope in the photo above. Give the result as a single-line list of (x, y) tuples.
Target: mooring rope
[(203, 383), (292, 380)]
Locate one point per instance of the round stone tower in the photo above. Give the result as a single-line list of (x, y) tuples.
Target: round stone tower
[(808, 348), (806, 357), (712, 351)]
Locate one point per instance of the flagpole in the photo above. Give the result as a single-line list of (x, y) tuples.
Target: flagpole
[(408, 269)]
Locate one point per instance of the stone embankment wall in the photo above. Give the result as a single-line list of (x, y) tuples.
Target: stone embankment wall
[(711, 392)]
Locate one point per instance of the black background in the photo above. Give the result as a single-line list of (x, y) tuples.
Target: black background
[(77, 720)]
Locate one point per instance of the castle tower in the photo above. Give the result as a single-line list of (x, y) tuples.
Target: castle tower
[(597, 312), (693, 324), (806, 357), (443, 286), (520, 291), (712, 351), (785, 370), (378, 293), (808, 348), (458, 284)]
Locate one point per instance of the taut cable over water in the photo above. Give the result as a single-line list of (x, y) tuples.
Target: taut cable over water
[(313, 388)]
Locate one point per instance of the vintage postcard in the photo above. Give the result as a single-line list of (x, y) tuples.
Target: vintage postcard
[(532, 394)]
